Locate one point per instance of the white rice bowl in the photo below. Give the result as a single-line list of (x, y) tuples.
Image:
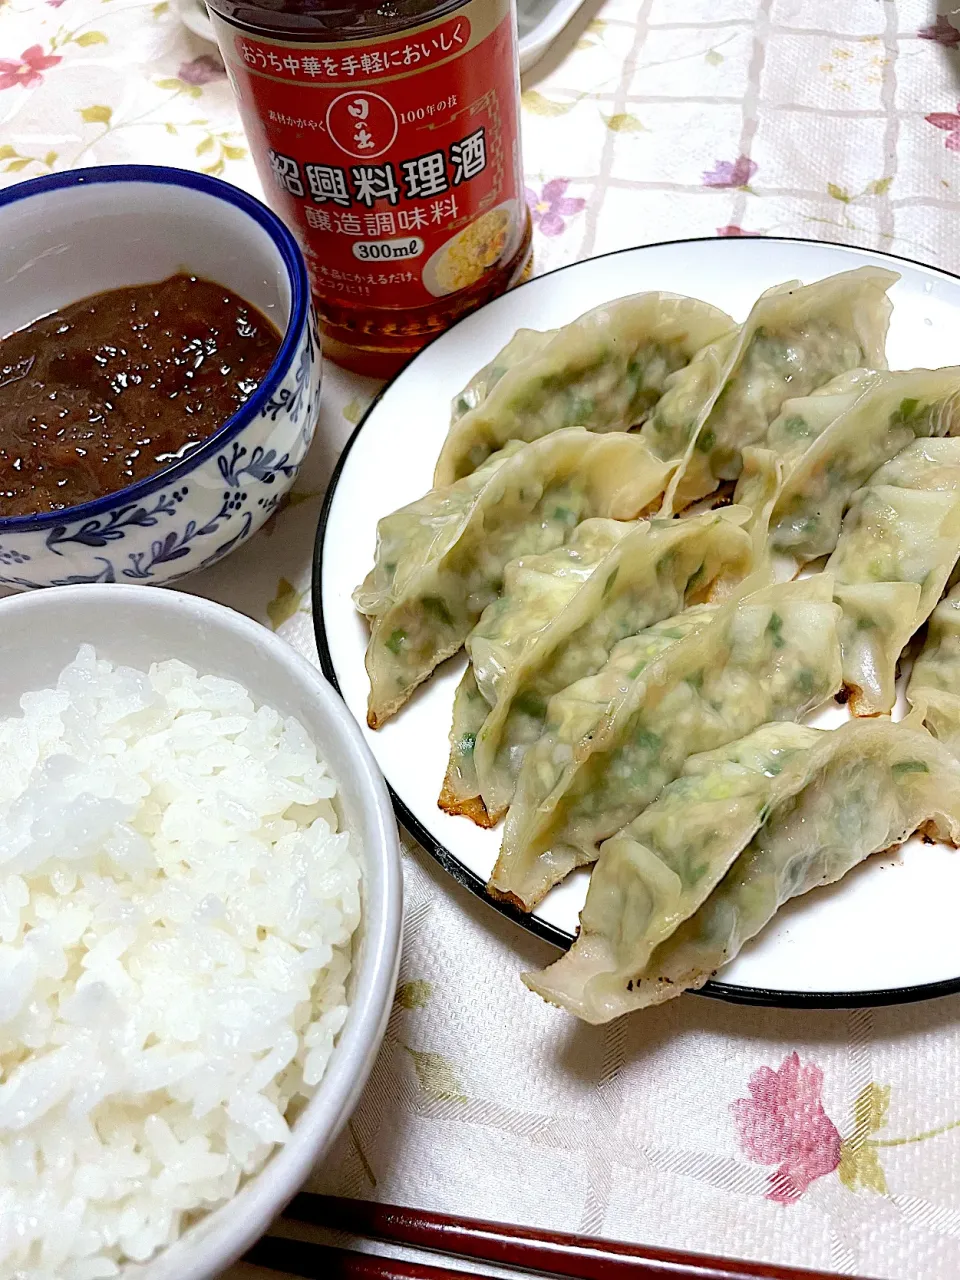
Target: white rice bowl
[(176, 910)]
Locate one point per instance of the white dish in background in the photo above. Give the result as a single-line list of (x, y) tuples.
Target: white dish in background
[(193, 14), (887, 932), (539, 22), (42, 632)]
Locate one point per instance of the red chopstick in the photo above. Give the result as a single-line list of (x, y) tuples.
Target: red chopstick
[(541, 1252), (320, 1262)]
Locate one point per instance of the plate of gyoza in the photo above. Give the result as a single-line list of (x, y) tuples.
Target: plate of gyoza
[(644, 581)]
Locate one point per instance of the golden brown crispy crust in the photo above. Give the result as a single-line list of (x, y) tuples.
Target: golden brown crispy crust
[(928, 833), (501, 895), (471, 807), (855, 699), (651, 509), (722, 496)]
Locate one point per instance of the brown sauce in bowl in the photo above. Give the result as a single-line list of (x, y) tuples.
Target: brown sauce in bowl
[(111, 389)]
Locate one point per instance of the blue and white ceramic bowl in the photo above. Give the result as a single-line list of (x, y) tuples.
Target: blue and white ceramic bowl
[(73, 234)]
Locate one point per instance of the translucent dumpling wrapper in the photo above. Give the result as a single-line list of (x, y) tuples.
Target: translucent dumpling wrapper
[(832, 443), (559, 617), (603, 371), (523, 344), (535, 590), (804, 418), (613, 740), (460, 793), (796, 339), (626, 660), (658, 870), (934, 687), (440, 560), (766, 467), (757, 491), (853, 792), (899, 543)]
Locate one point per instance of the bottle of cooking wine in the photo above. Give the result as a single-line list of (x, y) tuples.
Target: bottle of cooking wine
[(386, 135)]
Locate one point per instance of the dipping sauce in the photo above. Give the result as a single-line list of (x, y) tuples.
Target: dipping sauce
[(117, 386)]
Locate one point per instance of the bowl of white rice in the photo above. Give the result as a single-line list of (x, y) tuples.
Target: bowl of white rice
[(200, 910)]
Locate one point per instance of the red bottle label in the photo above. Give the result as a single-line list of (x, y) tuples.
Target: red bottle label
[(396, 163)]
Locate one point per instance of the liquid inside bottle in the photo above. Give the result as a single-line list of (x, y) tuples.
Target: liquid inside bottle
[(386, 135)]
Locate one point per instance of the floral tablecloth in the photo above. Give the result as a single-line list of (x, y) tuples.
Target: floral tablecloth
[(825, 1139)]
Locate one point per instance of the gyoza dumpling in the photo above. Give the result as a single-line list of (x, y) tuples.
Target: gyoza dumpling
[(757, 489), (557, 620), (613, 741), (460, 793), (658, 870), (523, 344), (796, 338), (535, 589), (898, 545), (766, 466), (803, 418), (934, 688), (626, 661), (866, 426), (856, 791), (603, 371), (440, 560)]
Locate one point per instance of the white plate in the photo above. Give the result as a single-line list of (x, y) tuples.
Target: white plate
[(194, 16), (887, 933), (539, 23)]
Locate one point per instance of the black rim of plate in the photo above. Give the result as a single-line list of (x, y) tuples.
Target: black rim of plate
[(448, 861)]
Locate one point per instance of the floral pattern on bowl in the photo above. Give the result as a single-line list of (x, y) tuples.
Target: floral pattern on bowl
[(187, 525), (195, 512)]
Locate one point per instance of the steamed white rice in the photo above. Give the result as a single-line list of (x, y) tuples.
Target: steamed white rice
[(176, 908)]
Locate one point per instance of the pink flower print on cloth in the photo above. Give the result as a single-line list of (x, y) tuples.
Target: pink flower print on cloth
[(549, 209), (942, 31), (949, 122), (28, 69), (783, 1122), (730, 174), (201, 70)]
